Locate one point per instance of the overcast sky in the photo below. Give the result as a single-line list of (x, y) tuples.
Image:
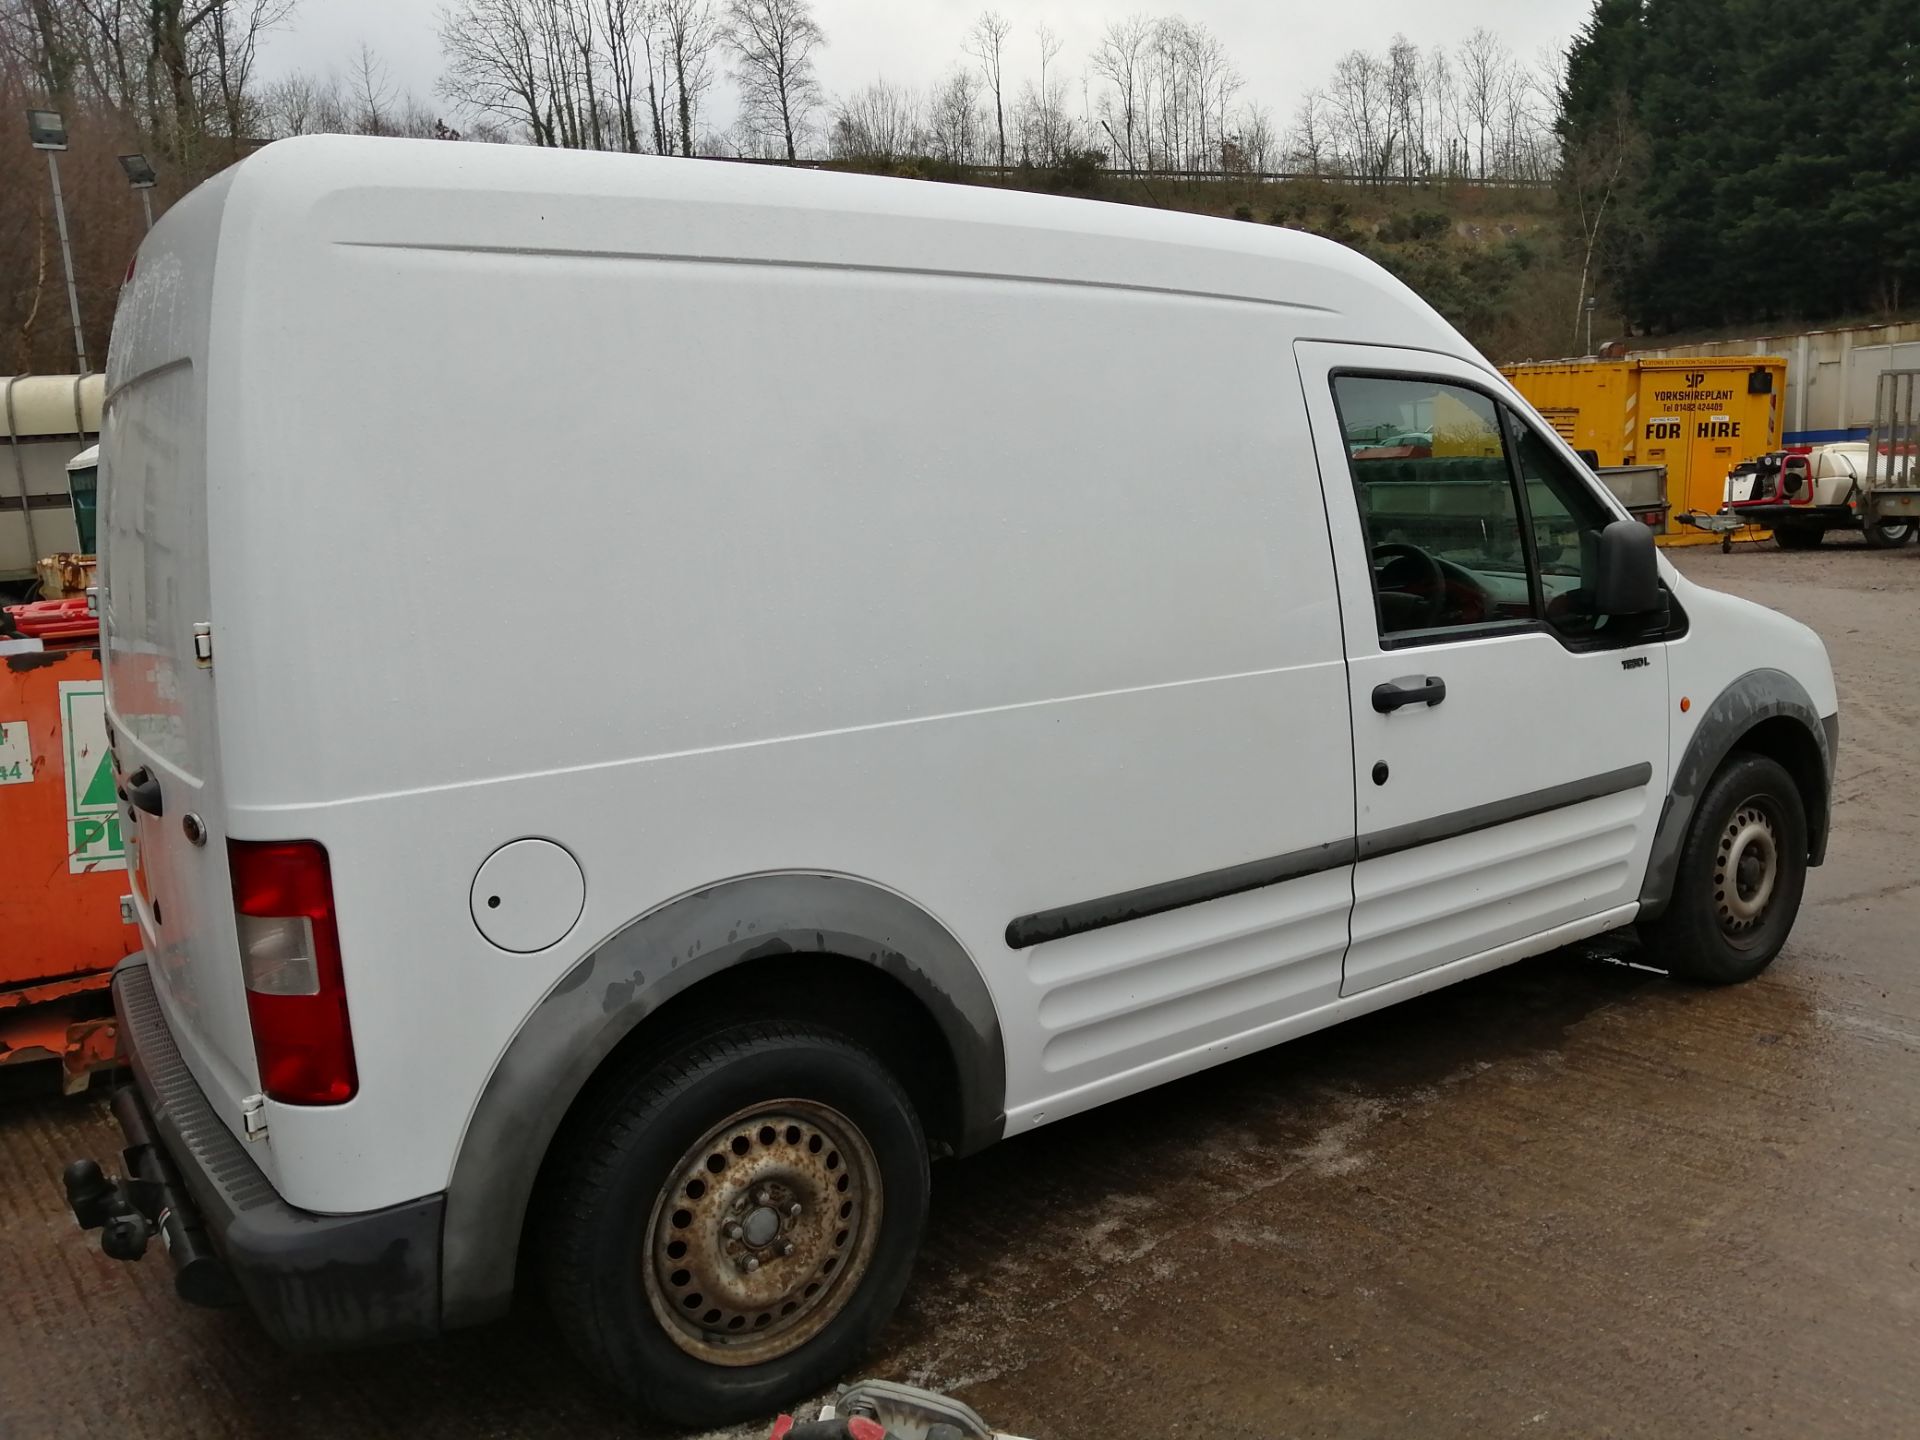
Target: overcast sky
[(1281, 46)]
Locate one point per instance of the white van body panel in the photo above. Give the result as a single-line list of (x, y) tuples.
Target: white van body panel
[(1730, 637), (881, 656), (970, 546)]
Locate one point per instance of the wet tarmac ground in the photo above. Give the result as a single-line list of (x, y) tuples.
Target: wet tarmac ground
[(1569, 1198)]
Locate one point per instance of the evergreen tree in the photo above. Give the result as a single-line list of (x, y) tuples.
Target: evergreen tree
[(1781, 175), (1604, 62)]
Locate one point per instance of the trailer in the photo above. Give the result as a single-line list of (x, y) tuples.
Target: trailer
[(1891, 492), (1804, 491), (1641, 488)]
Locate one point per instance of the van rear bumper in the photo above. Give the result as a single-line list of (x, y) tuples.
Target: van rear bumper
[(316, 1282)]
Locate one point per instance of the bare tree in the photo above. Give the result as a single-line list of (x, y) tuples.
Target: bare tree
[(372, 91), (987, 43), (1119, 59), (302, 104), (1042, 122), (213, 39), (494, 65), (1220, 80), (1404, 107), (879, 123), (620, 23), (956, 126), (1362, 118), (1592, 174), (1309, 146), (1484, 63), (291, 106), (1049, 42), (1257, 139), (773, 43), (1447, 133), (110, 39), (581, 37), (689, 35)]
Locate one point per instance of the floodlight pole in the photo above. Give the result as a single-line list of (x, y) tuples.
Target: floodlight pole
[(66, 254)]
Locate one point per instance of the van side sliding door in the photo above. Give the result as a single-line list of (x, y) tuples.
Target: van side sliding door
[(1510, 746)]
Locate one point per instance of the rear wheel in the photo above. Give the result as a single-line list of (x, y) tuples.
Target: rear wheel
[(1738, 886), (1798, 537), (1888, 534), (737, 1222)]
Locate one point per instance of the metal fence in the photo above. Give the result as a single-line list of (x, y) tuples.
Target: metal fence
[(990, 172)]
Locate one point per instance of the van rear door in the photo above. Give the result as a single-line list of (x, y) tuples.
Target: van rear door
[(157, 627)]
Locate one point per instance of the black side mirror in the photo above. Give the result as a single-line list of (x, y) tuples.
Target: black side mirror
[(1626, 570)]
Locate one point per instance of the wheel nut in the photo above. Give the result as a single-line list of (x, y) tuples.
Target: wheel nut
[(794, 1210), (750, 1264), (763, 1197), (787, 1249), (734, 1232)]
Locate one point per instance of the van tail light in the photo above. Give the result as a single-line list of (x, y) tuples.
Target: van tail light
[(290, 958)]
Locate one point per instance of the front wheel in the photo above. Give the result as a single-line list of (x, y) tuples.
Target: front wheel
[(1738, 886), (738, 1221), (1888, 534)]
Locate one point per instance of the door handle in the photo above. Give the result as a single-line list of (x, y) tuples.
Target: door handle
[(1389, 698), (143, 791)]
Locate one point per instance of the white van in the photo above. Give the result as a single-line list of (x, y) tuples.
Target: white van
[(999, 669)]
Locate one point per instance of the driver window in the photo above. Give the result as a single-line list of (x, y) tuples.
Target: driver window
[(1438, 504), (1567, 520)]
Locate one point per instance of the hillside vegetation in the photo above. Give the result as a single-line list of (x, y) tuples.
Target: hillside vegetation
[(1494, 259)]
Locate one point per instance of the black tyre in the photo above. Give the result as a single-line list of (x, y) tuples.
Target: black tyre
[(1888, 534), (736, 1222), (1798, 537), (1742, 871)]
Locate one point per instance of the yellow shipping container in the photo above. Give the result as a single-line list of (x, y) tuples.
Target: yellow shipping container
[(1698, 417)]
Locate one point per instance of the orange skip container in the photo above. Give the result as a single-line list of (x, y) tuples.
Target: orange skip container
[(62, 859)]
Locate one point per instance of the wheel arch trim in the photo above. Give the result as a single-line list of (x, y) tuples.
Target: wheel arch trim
[(1746, 703), (633, 973)]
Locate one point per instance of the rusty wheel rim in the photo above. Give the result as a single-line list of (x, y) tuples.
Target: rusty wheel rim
[(762, 1232), (1746, 870)]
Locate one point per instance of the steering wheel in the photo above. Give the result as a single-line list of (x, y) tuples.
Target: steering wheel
[(1429, 586)]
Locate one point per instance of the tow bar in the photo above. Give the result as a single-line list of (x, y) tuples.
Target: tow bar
[(129, 1211)]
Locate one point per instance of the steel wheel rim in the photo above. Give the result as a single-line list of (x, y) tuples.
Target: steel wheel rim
[(762, 1232), (1746, 869)]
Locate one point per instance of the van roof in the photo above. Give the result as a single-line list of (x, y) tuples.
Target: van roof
[(455, 196)]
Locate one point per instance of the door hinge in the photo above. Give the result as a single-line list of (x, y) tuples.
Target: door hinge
[(203, 643), (253, 1115), (94, 606)]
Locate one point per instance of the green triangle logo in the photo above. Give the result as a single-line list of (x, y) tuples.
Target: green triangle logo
[(100, 788)]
